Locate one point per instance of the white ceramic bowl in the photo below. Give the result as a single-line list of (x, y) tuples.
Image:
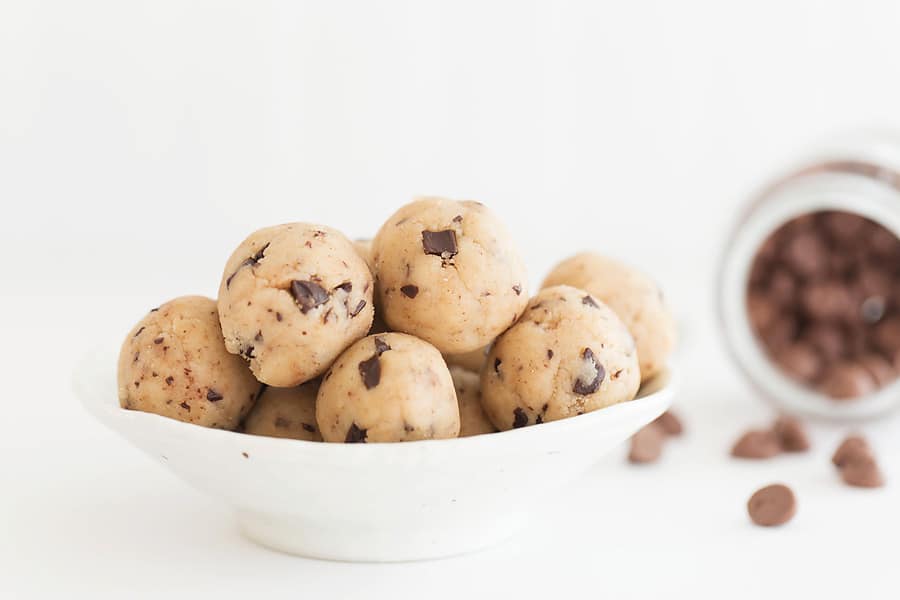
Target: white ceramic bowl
[(374, 502)]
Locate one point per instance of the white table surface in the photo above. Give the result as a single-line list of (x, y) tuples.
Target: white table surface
[(140, 142)]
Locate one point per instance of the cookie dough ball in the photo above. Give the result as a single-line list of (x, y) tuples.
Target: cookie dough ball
[(632, 295), (285, 413), (292, 298), (472, 361), (390, 387), (472, 420), (174, 363), (569, 354), (449, 273)]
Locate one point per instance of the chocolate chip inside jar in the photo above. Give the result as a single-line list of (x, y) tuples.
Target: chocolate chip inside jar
[(823, 299)]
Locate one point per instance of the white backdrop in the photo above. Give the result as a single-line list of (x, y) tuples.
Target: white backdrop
[(140, 141)]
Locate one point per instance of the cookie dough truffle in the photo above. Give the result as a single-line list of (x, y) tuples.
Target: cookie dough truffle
[(174, 363), (472, 420), (285, 413), (390, 387), (292, 298), (449, 273), (634, 297), (569, 354)]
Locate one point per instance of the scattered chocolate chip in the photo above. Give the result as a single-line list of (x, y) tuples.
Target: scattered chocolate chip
[(591, 374), (186, 406), (520, 419), (410, 291), (497, 363), (355, 434), (278, 316), (138, 332), (517, 289), (359, 306), (308, 427), (791, 434), (370, 370), (153, 310), (158, 340), (757, 445), (539, 419), (851, 448), (308, 294), (646, 445), (772, 505), (248, 352), (346, 286), (669, 423), (258, 337), (252, 261), (440, 243), (213, 396), (861, 470), (245, 455), (381, 346), (137, 355), (170, 380), (457, 219), (549, 353), (589, 301)]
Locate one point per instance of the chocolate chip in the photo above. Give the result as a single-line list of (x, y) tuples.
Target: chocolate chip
[(517, 289), (539, 420), (308, 427), (278, 316), (588, 301), (248, 352), (170, 380), (258, 337), (772, 505), (153, 310), (346, 286), (251, 261), (646, 445), (497, 363), (355, 435), (440, 243), (186, 406), (549, 353), (158, 340), (370, 370), (360, 305), (138, 332), (308, 294), (245, 455), (457, 219), (410, 291), (137, 355), (669, 423), (861, 470), (791, 434), (851, 448), (520, 419), (381, 346), (591, 374), (213, 396), (756, 445)]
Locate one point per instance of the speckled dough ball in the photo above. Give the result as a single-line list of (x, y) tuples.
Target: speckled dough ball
[(292, 298), (390, 387), (449, 273), (285, 413), (632, 295), (569, 354), (173, 363), (472, 420)]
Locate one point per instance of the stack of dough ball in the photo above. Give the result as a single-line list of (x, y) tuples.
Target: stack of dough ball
[(472, 419), (285, 413), (389, 387), (631, 295), (174, 363), (448, 272), (292, 298), (569, 354)]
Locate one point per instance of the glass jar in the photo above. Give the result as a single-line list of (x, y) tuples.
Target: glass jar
[(858, 175)]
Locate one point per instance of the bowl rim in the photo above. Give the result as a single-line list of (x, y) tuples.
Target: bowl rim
[(93, 368)]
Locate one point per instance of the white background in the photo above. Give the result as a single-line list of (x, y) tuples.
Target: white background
[(140, 141)]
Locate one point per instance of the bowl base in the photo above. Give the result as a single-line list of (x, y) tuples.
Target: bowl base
[(342, 541)]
